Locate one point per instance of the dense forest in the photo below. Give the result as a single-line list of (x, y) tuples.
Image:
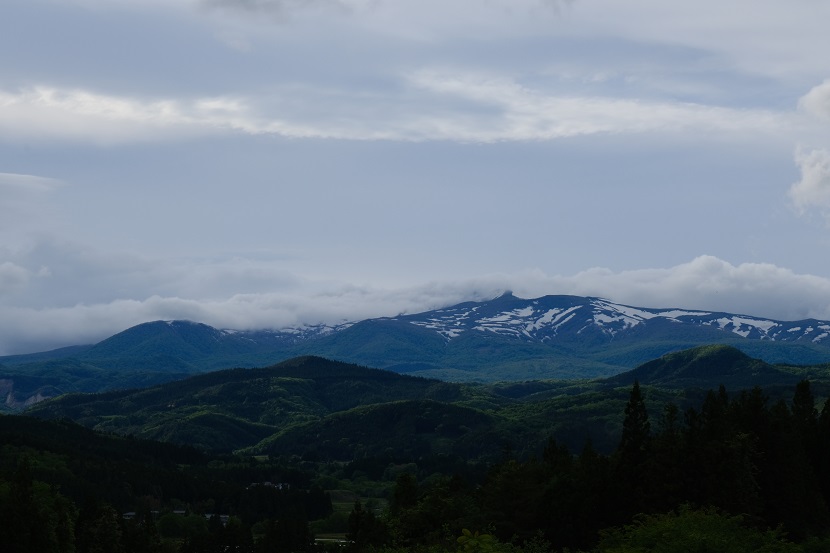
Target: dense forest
[(736, 472)]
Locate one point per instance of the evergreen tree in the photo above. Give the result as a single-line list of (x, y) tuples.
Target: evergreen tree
[(804, 406), (665, 466), (636, 432), (806, 422), (823, 451), (631, 486)]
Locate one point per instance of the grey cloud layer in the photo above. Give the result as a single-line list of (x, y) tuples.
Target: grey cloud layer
[(285, 300)]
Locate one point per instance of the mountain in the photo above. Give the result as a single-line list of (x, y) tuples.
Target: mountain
[(506, 338), (194, 347), (141, 356), (510, 338)]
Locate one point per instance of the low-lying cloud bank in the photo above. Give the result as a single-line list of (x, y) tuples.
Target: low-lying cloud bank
[(706, 283)]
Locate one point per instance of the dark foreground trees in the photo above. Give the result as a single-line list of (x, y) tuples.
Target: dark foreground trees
[(734, 473)]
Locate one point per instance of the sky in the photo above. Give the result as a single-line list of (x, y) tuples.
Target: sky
[(274, 163)]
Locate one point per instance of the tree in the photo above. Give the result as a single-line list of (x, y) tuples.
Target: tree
[(98, 530), (140, 535), (405, 494), (804, 406), (35, 516), (365, 529), (805, 420), (631, 457), (636, 432), (286, 536), (702, 531)]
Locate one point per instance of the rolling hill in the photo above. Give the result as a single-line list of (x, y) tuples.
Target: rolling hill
[(237, 408), (337, 411)]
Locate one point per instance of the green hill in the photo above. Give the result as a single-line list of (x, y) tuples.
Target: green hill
[(409, 428), (710, 366), (227, 410)]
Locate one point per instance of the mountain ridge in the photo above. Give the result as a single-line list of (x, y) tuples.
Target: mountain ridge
[(506, 338)]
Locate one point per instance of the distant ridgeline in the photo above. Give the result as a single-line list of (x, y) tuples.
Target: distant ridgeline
[(504, 339)]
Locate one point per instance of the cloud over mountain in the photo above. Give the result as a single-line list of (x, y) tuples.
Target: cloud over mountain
[(285, 300)]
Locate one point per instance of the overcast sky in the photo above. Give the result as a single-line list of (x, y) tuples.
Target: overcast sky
[(270, 163)]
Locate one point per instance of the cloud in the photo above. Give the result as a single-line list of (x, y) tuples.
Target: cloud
[(278, 299), (812, 191), (27, 329), (711, 284), (521, 113), (817, 101), (446, 106), (280, 9), (10, 182), (52, 113), (12, 278), (25, 206)]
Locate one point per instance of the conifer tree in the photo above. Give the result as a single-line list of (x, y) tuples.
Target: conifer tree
[(632, 456), (805, 414), (636, 432)]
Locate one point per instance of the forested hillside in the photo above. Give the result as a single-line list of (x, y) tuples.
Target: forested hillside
[(339, 411), (736, 472)]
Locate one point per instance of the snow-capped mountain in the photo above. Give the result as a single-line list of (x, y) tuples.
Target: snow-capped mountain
[(551, 317), (506, 338)]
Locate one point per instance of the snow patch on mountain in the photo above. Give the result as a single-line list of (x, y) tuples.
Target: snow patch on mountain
[(548, 317)]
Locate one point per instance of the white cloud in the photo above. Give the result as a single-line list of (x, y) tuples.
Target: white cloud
[(454, 107), (51, 113), (10, 182), (285, 300), (817, 101), (712, 284), (526, 114), (813, 189)]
